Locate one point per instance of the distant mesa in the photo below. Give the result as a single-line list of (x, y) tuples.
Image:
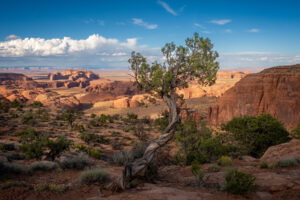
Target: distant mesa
[(73, 78), (275, 91)]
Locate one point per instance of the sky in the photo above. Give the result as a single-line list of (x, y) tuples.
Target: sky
[(102, 33)]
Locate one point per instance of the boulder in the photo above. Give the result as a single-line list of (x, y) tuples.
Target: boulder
[(286, 150), (275, 91), (121, 103)]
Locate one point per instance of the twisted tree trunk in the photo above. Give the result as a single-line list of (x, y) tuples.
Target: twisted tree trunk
[(138, 167)]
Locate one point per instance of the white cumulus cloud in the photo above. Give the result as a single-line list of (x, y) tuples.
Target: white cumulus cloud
[(254, 30), (140, 22)]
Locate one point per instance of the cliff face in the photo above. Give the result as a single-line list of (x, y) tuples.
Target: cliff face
[(275, 91)]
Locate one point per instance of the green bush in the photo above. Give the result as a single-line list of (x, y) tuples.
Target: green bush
[(15, 104), (75, 162), (213, 168), (4, 107), (264, 165), (225, 161), (161, 123), (93, 115), (36, 104), (80, 128), (130, 118), (91, 152), (14, 115), (199, 144), (257, 134), (29, 134), (296, 132), (32, 150), (58, 189), (89, 137), (28, 118), (198, 173), (69, 116), (56, 147), (239, 183), (92, 176), (288, 162)]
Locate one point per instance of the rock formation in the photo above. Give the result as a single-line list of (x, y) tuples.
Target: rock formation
[(286, 150), (23, 89), (275, 91)]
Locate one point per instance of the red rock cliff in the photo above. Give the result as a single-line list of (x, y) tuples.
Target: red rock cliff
[(275, 91)]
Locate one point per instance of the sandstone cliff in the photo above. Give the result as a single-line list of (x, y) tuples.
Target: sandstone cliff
[(275, 91)]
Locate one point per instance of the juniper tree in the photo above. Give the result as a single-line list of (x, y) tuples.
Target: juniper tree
[(183, 64)]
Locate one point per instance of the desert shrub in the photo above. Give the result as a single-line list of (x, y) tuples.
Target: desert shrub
[(91, 152), (42, 115), (92, 176), (93, 115), (51, 187), (198, 173), (13, 156), (43, 166), (28, 118), (4, 107), (239, 183), (296, 132), (199, 144), (121, 158), (75, 162), (298, 159), (130, 118), (70, 117), (80, 128), (14, 115), (161, 123), (287, 162), (140, 132), (263, 165), (129, 128), (213, 168), (89, 137), (10, 168), (225, 161), (15, 104), (32, 150), (36, 104), (12, 183), (56, 147), (28, 134), (257, 133)]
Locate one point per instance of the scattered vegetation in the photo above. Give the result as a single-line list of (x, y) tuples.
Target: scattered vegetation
[(198, 173), (90, 151), (296, 132), (75, 162), (239, 183), (225, 161), (257, 133), (43, 166), (10, 168), (92, 176), (264, 165), (58, 189), (288, 162), (36, 104)]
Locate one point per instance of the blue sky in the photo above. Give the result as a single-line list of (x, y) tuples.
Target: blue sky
[(103, 33)]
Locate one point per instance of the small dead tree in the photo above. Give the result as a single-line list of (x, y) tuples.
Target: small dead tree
[(194, 61)]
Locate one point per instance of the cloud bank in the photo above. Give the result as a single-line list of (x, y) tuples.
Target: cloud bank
[(220, 22)]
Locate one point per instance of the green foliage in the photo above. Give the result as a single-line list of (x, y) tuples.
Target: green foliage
[(239, 183), (225, 161), (15, 104), (36, 104), (263, 165), (123, 157), (56, 147), (32, 150), (196, 170), (11, 183), (28, 118), (199, 144), (161, 123), (14, 115), (195, 60), (288, 162), (91, 152), (92, 176), (130, 118), (69, 116), (51, 187), (257, 133), (93, 115), (80, 128), (75, 162), (29, 134), (296, 132), (91, 137), (4, 107)]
